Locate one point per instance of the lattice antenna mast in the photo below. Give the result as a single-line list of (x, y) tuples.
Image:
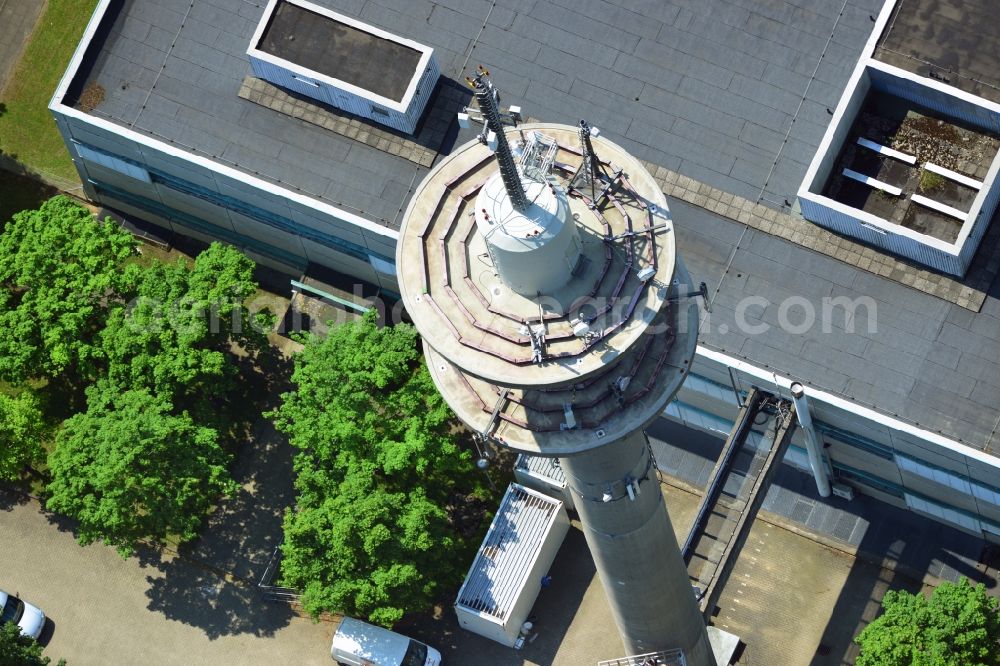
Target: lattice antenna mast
[(589, 158), (587, 148), (489, 105)]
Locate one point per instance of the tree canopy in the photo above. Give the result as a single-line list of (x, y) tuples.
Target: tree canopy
[(378, 474), (129, 469), (22, 429), (958, 626), (156, 355), (175, 336), (58, 267), (368, 551), (19, 650)]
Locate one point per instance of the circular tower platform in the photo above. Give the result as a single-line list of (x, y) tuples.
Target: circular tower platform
[(565, 369)]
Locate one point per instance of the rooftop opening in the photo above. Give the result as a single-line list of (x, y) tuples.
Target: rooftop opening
[(902, 149), (339, 50), (908, 164)]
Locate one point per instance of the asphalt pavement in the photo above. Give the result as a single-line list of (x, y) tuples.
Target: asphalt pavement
[(150, 609), (17, 21)]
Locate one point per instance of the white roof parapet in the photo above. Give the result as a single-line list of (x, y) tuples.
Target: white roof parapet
[(873, 182), (938, 206), (885, 150), (954, 175)]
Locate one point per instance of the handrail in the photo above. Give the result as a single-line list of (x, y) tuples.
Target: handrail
[(336, 299), (743, 423)]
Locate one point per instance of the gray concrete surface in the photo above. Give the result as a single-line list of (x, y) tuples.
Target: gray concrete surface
[(637, 553), (17, 21), (147, 609), (875, 531), (793, 601)]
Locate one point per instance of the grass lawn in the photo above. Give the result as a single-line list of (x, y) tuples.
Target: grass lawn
[(27, 131)]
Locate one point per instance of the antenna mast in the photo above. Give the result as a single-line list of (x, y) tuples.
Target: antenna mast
[(489, 105)]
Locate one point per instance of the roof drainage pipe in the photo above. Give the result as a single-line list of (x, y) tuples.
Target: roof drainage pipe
[(814, 444)]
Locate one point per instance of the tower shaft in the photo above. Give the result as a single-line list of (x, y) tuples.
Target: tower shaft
[(635, 550), (600, 377)]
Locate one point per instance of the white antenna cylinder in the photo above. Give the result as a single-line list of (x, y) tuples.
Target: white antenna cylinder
[(535, 250)]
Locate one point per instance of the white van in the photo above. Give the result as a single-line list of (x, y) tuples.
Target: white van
[(358, 643)]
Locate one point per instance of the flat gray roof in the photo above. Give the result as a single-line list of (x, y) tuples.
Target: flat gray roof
[(926, 361), (956, 41), (338, 50), (705, 87), (708, 88)]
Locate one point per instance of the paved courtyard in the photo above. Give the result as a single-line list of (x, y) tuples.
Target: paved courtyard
[(106, 610), (785, 600), (793, 600)]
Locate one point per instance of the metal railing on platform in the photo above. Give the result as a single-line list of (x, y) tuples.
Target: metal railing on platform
[(663, 658)]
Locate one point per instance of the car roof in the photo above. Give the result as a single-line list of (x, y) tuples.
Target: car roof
[(370, 642)]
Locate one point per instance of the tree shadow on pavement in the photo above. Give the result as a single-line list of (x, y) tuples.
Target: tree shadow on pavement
[(185, 592), (11, 497), (212, 582)]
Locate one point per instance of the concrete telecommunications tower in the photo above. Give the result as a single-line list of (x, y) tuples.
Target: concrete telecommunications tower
[(556, 322)]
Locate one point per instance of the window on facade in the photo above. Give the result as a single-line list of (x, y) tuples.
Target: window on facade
[(797, 458), (112, 162), (942, 512), (986, 493), (382, 265), (933, 473), (305, 81)]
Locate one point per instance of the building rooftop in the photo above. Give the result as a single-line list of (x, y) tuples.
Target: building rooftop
[(953, 41), (914, 356), (706, 87), (731, 93)]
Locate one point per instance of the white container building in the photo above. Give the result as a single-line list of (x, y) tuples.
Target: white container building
[(506, 576), (545, 475)]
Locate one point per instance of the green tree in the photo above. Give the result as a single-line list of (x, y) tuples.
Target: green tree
[(129, 470), (369, 552), (58, 269), (175, 336), (958, 626), (18, 650), (378, 476), (22, 430)]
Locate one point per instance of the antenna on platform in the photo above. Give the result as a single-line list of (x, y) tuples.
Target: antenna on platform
[(493, 135), (591, 170)]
